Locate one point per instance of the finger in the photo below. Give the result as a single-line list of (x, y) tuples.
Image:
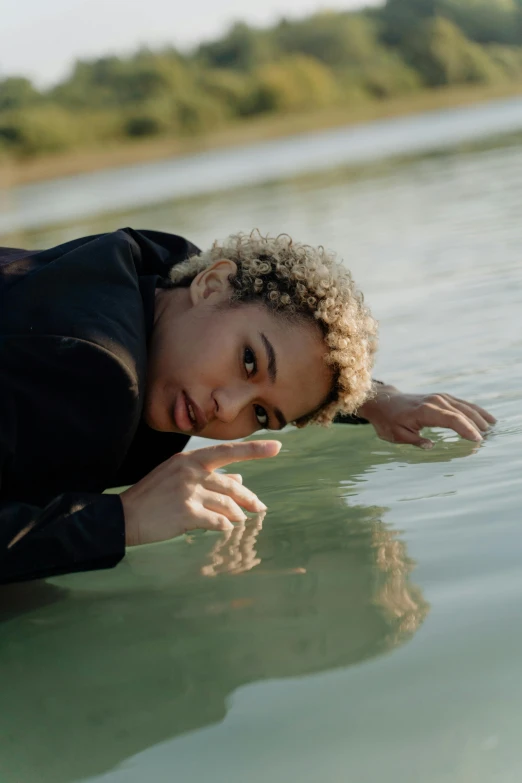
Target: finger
[(472, 414), (225, 485), (435, 416), (213, 457), (224, 505), (404, 435), (484, 413), (235, 477), (447, 402), (209, 520)]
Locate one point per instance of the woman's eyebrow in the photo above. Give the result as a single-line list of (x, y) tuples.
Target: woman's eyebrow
[(270, 357), (280, 418), (272, 373)]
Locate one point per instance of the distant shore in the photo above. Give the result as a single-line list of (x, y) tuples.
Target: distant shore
[(248, 132)]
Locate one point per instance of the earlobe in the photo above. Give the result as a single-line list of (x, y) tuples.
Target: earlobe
[(212, 284)]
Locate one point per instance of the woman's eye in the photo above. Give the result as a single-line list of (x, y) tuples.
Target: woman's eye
[(250, 361), (261, 415)]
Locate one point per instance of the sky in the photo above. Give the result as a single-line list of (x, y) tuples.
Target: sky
[(42, 38)]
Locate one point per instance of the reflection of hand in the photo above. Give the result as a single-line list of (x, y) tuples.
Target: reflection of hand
[(399, 418), (185, 493), (235, 552)]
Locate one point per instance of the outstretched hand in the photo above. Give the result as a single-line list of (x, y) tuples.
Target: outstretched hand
[(186, 493), (399, 417)]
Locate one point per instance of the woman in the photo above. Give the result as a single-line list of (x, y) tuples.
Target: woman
[(115, 349)]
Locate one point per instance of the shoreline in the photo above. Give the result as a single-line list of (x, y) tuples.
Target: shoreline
[(83, 161)]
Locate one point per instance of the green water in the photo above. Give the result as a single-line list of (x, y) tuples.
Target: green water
[(368, 628)]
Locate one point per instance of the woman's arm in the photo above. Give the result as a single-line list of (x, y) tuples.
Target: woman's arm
[(78, 532), (74, 532), (399, 417)]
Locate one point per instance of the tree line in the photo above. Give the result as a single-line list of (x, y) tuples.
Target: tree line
[(331, 59)]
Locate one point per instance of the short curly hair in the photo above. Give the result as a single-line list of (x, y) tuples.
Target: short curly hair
[(302, 282)]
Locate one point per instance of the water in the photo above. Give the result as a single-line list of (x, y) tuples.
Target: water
[(35, 205), (368, 628)]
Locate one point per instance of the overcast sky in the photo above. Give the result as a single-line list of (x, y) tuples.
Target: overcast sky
[(42, 38)]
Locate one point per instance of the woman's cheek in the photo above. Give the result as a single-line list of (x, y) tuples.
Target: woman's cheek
[(240, 428)]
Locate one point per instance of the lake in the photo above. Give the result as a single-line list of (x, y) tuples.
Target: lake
[(368, 627)]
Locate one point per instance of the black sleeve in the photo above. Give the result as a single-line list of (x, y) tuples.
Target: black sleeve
[(75, 532), (45, 530), (72, 531), (349, 418)]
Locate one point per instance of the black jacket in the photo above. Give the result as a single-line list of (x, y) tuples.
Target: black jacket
[(74, 323)]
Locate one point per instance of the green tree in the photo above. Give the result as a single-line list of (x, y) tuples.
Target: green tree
[(440, 52), (484, 21), (337, 40), (242, 48), (229, 87), (17, 93), (39, 129), (389, 76), (326, 59), (509, 58), (399, 18), (111, 81), (294, 83), (197, 113)]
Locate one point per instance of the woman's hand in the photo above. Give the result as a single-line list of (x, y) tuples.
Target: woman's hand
[(399, 418), (185, 493)]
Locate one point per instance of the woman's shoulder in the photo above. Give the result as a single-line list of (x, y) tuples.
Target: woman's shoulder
[(73, 351), (84, 292)]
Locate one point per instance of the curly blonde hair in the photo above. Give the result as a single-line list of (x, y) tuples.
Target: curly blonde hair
[(302, 282)]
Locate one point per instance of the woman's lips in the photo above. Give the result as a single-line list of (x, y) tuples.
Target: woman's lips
[(198, 417), (181, 414), (183, 407)]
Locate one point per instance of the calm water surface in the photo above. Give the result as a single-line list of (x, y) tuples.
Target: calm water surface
[(368, 629), (68, 198)]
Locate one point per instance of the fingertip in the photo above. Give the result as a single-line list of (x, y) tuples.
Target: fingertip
[(426, 445), (270, 448)]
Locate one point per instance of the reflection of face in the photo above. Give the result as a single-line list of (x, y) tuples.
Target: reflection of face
[(224, 372)]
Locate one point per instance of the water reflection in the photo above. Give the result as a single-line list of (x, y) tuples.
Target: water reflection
[(120, 661), (235, 552)]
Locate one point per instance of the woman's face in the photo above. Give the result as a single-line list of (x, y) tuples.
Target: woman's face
[(224, 372)]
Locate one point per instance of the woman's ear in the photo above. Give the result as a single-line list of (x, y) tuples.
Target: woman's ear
[(212, 284)]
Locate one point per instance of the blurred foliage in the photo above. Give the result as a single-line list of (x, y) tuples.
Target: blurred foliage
[(293, 83), (17, 93), (441, 54), (325, 60)]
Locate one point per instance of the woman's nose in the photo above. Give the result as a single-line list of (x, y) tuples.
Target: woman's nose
[(230, 401)]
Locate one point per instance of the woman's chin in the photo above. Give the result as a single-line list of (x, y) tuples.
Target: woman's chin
[(157, 419)]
